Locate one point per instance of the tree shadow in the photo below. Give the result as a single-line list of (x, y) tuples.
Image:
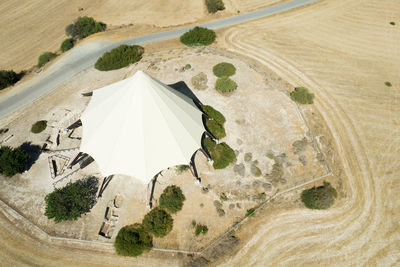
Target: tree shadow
[(20, 75), (75, 125), (182, 88), (92, 183), (33, 151)]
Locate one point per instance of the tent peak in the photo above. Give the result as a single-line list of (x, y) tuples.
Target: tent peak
[(141, 74)]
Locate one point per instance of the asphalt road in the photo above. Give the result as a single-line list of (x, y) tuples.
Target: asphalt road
[(84, 57)]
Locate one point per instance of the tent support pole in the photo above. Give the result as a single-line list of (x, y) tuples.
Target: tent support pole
[(103, 185), (193, 169), (153, 185)]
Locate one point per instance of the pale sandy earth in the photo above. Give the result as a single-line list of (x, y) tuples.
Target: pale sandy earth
[(249, 5), (273, 117), (343, 51), (37, 26)]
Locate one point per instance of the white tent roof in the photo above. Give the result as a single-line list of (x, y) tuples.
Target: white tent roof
[(139, 127)]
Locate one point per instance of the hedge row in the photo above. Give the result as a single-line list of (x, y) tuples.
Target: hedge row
[(84, 26), (45, 57), (9, 78), (198, 36), (119, 57)]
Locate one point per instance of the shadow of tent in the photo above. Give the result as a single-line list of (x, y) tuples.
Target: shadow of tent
[(104, 185), (182, 87), (33, 151), (75, 125)]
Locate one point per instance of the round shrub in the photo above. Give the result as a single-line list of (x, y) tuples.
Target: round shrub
[(216, 129), (9, 77), (45, 57), (73, 200), (224, 69), (158, 222), (302, 95), (213, 114), (133, 240), (225, 85), (198, 36), (172, 198), (67, 44), (84, 27), (39, 126), (119, 57), (12, 160), (321, 197), (201, 229), (221, 154), (214, 5)]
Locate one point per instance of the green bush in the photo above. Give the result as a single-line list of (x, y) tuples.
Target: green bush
[(39, 126), (12, 160), (45, 57), (392, 23), (84, 27), (223, 197), (67, 44), (201, 229), (216, 129), (321, 197), (250, 212), (225, 85), (73, 200), (198, 36), (158, 222), (224, 69), (221, 154), (214, 5), (9, 77), (119, 57), (213, 114), (388, 84), (302, 95), (133, 240), (172, 199)]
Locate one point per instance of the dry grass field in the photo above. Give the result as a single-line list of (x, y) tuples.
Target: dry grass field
[(38, 26), (344, 51), (249, 5)]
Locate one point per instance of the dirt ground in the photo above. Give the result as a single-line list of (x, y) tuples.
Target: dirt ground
[(344, 52), (274, 118), (40, 25)]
